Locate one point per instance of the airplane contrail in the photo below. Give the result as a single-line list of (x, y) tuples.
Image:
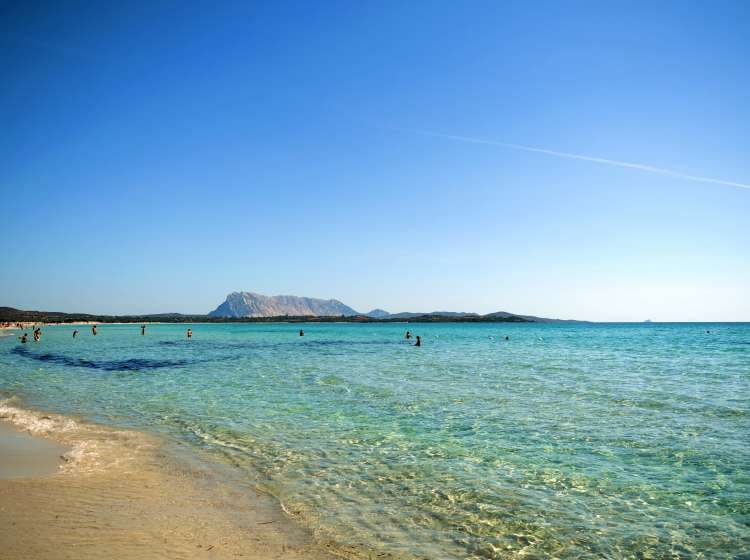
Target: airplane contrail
[(639, 166)]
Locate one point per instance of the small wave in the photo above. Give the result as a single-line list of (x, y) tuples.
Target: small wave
[(34, 422), (92, 448)]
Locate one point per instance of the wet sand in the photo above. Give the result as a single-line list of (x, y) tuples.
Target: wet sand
[(22, 455), (122, 494)]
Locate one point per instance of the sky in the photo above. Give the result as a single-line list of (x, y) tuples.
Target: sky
[(584, 160)]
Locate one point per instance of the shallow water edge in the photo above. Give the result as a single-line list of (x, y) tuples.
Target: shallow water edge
[(127, 494)]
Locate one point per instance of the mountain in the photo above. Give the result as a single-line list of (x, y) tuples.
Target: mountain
[(250, 304), (410, 315), (530, 318), (498, 316), (251, 307), (378, 314)]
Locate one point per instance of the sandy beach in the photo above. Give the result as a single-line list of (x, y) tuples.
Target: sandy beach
[(70, 489), (26, 456)]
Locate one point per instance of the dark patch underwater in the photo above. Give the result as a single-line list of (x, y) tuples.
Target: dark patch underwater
[(131, 364)]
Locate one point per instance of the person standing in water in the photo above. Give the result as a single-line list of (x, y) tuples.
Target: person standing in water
[(143, 330), (408, 335), (190, 333), (37, 334), (93, 330), (301, 332), (75, 333), (419, 341), (23, 338)]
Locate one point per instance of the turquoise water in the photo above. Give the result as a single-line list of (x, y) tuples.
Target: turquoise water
[(568, 441)]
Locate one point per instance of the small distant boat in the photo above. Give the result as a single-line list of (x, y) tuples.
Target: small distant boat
[(647, 321)]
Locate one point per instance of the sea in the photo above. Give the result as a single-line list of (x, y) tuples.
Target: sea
[(492, 440)]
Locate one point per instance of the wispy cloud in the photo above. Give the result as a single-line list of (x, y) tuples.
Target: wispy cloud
[(614, 162)]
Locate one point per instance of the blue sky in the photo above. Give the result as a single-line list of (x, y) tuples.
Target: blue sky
[(155, 156)]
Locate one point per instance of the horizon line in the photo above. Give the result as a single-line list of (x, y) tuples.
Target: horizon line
[(545, 320)]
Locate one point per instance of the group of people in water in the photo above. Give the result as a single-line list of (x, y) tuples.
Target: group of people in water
[(38, 335), (418, 341)]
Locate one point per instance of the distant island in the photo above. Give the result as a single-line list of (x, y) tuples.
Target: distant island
[(251, 304), (251, 307)]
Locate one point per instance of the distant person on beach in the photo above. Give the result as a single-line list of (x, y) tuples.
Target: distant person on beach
[(408, 335), (301, 332), (143, 330), (419, 341), (93, 330), (75, 333), (23, 338), (190, 333)]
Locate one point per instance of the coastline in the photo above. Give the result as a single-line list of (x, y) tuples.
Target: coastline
[(126, 494), (24, 456)]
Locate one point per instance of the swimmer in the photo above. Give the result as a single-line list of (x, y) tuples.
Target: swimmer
[(190, 333), (301, 332), (75, 333), (408, 335), (23, 338), (419, 341), (507, 338), (93, 330)]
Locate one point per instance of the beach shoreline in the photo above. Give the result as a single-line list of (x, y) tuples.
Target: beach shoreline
[(25, 456), (126, 494)]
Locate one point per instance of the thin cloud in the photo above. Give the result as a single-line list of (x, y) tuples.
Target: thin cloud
[(616, 163)]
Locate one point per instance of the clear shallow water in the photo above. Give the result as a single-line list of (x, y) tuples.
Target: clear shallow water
[(566, 440)]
